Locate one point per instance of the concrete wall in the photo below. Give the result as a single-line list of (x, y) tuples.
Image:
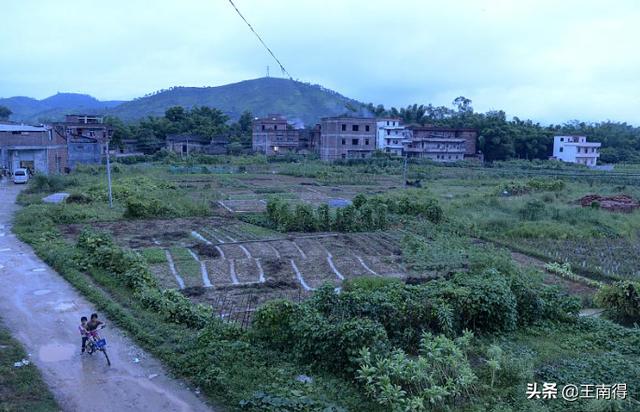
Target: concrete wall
[(84, 153)]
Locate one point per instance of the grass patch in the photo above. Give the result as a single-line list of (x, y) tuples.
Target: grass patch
[(154, 255), (21, 389)]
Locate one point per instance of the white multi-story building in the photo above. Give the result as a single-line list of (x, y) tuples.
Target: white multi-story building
[(575, 149), (391, 136)]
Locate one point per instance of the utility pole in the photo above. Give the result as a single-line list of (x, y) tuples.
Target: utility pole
[(109, 176), (404, 172)]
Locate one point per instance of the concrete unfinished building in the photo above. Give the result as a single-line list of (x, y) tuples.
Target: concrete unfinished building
[(347, 138), (272, 136)]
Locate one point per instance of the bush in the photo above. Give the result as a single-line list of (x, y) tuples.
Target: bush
[(440, 376), (312, 337), (485, 302), (621, 300), (49, 183), (140, 208), (79, 198)]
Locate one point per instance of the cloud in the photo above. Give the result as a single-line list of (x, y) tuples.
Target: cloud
[(547, 60)]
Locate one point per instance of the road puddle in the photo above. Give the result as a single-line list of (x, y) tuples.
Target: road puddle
[(56, 352)]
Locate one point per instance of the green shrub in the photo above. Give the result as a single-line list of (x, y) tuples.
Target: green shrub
[(140, 208), (439, 377), (79, 198), (369, 283), (312, 337), (621, 300), (484, 301), (297, 402), (48, 183)]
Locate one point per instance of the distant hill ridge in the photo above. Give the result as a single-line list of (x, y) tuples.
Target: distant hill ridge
[(299, 102)]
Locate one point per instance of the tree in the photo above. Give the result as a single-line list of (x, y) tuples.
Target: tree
[(121, 131), (5, 112), (245, 122), (463, 104), (175, 114)]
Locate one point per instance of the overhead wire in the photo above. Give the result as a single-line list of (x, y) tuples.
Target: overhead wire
[(284, 71)]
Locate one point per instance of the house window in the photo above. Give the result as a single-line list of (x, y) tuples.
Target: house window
[(387, 123), (363, 155), (561, 149), (344, 141), (355, 128), (344, 127), (395, 142), (354, 142), (262, 127), (366, 142), (366, 128), (275, 127), (184, 148), (344, 155), (562, 139)]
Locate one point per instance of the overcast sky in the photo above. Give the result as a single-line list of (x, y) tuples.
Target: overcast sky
[(550, 61)]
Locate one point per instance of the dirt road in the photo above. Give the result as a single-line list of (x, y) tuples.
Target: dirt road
[(42, 311)]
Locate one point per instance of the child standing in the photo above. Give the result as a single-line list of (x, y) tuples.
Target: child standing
[(83, 332)]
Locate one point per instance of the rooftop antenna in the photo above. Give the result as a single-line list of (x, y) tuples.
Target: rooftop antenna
[(267, 71)]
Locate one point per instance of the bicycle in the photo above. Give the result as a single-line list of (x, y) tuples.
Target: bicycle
[(95, 343)]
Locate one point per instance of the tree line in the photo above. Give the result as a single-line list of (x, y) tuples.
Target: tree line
[(151, 133)]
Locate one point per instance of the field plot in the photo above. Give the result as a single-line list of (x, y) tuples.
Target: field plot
[(252, 192), (231, 264), (613, 257)]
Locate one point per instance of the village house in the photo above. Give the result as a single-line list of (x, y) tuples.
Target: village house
[(469, 136), (272, 135), (347, 138), (391, 136), (35, 148), (187, 143), (127, 147), (87, 137), (576, 149)]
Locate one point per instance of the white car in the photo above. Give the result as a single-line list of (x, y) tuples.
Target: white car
[(20, 176)]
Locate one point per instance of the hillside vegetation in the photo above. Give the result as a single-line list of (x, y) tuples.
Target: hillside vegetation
[(300, 102), (295, 100)]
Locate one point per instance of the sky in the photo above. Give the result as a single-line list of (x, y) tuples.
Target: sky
[(550, 61)]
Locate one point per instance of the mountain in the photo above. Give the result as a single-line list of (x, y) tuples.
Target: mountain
[(297, 101), (27, 109)]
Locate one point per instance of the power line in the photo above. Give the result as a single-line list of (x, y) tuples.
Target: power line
[(284, 71)]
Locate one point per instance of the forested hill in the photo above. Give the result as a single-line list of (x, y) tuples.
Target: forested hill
[(53, 108), (296, 100)]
